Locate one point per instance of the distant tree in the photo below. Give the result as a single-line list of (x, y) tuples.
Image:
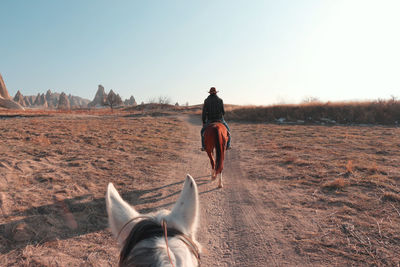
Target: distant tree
[(152, 100), (164, 100), (176, 104), (113, 100), (311, 99)]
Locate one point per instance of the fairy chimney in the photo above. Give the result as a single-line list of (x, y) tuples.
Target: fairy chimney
[(37, 100), (20, 99), (41, 101), (5, 98), (3, 89), (100, 98), (30, 99), (48, 95), (130, 102), (63, 102)]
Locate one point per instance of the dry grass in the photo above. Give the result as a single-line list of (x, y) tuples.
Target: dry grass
[(349, 166), (164, 108), (55, 166), (54, 170), (49, 112), (337, 184), (390, 196), (41, 140), (341, 185), (376, 112)]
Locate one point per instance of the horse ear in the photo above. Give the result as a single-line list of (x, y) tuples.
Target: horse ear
[(184, 215), (119, 213)]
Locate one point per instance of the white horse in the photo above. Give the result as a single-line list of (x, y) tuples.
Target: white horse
[(164, 238)]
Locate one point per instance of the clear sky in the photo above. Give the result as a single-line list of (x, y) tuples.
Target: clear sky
[(254, 52)]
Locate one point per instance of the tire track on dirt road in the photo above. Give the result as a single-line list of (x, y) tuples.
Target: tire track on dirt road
[(236, 229)]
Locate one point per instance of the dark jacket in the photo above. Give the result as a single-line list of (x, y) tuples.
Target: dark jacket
[(213, 109)]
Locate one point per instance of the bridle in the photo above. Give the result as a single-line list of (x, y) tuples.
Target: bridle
[(153, 229)]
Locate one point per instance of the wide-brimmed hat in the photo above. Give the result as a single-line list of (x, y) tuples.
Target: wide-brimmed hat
[(213, 90)]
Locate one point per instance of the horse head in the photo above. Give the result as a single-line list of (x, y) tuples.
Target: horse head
[(162, 238)]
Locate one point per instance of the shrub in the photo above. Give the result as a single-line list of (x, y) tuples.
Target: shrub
[(385, 112), (337, 184)]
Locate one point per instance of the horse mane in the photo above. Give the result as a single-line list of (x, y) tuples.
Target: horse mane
[(157, 239), (148, 230)]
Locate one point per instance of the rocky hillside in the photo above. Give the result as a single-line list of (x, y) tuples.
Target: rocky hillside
[(51, 100), (102, 99), (54, 100)]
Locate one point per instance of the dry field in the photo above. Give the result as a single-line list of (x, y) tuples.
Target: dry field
[(53, 175), (319, 196), (337, 189), (379, 112)]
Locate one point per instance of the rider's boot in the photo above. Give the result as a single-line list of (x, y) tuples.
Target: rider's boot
[(202, 144), (228, 145)]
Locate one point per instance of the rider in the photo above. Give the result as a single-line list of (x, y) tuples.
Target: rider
[(213, 111)]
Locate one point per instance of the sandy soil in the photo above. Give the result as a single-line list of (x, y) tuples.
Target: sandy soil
[(293, 195)]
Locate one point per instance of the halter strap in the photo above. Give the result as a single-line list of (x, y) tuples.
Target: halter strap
[(185, 239), (164, 226), (191, 245)]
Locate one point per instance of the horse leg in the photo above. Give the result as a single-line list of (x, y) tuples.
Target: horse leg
[(212, 161), (220, 180), (213, 175)]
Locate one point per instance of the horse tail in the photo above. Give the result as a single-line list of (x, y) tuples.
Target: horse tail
[(219, 150)]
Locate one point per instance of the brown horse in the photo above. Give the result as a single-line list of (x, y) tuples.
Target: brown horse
[(216, 136)]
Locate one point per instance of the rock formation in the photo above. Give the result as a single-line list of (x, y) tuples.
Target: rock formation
[(130, 102), (5, 98), (37, 100), (73, 102), (100, 98), (63, 102), (52, 99), (41, 101), (48, 100), (9, 104), (30, 99), (20, 99), (48, 96), (77, 102), (112, 99), (3, 89)]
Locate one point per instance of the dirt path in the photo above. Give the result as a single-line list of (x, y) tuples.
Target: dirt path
[(237, 229)]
